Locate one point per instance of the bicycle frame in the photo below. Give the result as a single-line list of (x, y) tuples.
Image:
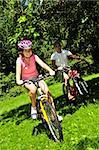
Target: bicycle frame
[(42, 108), (47, 111), (74, 89), (41, 96)]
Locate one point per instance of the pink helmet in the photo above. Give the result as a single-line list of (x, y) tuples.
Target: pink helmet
[(25, 44)]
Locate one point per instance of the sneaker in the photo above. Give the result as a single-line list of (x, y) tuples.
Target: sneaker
[(60, 118), (33, 113)]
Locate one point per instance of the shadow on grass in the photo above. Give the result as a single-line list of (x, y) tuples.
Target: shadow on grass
[(18, 115), (42, 128), (88, 143), (22, 113), (94, 87)]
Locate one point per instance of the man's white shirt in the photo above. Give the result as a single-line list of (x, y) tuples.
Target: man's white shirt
[(61, 58)]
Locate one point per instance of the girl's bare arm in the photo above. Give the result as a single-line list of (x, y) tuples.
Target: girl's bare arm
[(18, 74), (44, 65)]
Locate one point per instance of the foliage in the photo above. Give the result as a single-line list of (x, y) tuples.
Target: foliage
[(8, 86), (74, 23), (6, 82), (15, 91)]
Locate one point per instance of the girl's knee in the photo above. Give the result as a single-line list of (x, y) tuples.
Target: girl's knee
[(31, 93), (32, 90), (44, 87)]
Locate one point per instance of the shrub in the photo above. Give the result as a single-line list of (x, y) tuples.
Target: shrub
[(6, 82), (8, 86), (16, 90)]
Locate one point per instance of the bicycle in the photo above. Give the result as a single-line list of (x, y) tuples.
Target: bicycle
[(46, 110), (75, 87)]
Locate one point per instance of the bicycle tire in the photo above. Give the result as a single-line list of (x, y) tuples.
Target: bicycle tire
[(84, 86), (78, 88), (67, 89), (81, 86), (51, 119), (64, 89)]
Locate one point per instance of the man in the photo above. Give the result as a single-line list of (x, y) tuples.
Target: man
[(60, 59)]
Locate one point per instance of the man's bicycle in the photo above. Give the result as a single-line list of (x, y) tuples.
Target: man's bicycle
[(75, 86), (46, 111)]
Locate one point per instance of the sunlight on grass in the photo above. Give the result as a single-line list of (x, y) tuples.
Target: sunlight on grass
[(12, 103), (90, 77)]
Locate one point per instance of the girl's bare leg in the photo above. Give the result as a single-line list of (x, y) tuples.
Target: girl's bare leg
[(45, 89), (32, 95), (32, 98)]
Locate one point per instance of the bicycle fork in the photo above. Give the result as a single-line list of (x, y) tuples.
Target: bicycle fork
[(43, 110)]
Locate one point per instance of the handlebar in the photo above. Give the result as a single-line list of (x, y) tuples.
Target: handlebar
[(40, 77), (65, 69)]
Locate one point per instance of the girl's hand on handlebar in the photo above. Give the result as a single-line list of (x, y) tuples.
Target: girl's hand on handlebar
[(20, 82)]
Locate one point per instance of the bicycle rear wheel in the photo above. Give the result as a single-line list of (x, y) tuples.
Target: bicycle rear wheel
[(82, 89), (81, 86), (54, 125), (70, 91), (84, 86)]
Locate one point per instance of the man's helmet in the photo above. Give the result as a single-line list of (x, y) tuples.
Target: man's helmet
[(25, 44)]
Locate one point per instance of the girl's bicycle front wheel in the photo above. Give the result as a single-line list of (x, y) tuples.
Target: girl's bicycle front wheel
[(54, 125)]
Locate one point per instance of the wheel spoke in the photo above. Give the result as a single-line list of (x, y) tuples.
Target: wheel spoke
[(53, 122)]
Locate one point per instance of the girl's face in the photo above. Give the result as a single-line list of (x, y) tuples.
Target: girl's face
[(27, 52)]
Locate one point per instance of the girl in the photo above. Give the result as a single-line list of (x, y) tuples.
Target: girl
[(26, 69)]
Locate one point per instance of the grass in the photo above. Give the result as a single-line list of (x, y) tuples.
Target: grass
[(90, 77), (80, 124), (81, 131), (12, 103)]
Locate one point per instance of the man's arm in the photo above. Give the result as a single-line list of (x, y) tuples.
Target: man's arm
[(54, 64), (73, 57)]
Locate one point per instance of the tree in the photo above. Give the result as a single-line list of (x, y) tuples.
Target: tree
[(74, 23)]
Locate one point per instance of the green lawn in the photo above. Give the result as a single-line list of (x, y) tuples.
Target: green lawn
[(80, 128)]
